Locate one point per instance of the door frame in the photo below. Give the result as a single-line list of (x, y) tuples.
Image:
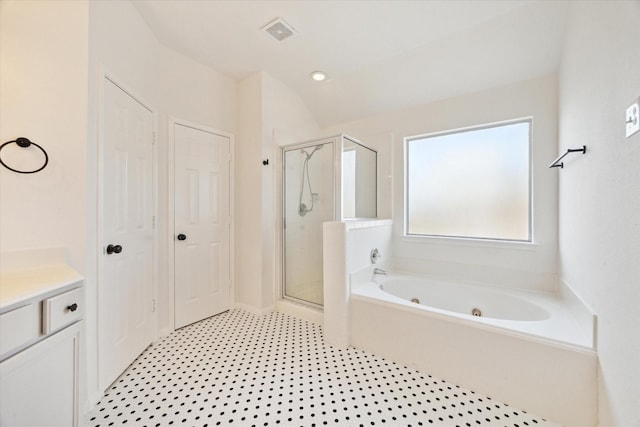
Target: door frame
[(171, 220), (105, 74)]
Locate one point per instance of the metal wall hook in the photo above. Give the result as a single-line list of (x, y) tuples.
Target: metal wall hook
[(24, 143)]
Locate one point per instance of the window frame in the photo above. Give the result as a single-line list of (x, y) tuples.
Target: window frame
[(482, 240)]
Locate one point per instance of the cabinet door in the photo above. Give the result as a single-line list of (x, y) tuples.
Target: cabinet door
[(39, 386)]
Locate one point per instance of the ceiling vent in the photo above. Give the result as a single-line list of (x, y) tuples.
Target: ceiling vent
[(279, 29)]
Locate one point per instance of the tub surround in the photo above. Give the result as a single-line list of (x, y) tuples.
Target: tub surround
[(532, 364), (503, 276), (346, 247), (543, 366), (583, 314), (555, 381)]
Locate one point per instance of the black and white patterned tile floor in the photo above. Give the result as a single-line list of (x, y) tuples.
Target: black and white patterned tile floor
[(240, 369)]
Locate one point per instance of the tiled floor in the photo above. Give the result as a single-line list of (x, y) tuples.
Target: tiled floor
[(239, 369)]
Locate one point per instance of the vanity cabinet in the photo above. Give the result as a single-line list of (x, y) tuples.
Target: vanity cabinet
[(41, 321)]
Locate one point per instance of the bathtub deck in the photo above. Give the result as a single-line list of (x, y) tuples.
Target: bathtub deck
[(561, 329)]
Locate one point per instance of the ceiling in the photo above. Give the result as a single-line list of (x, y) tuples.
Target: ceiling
[(379, 55)]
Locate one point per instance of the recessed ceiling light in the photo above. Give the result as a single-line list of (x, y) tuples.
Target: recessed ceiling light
[(318, 76)]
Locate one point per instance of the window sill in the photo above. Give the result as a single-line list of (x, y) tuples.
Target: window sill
[(469, 242)]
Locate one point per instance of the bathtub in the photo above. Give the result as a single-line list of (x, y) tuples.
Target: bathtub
[(524, 348), (539, 316)]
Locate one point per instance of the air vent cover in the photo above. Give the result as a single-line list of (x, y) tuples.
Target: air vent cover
[(279, 29)]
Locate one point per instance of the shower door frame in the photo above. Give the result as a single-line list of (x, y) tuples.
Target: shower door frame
[(336, 145)]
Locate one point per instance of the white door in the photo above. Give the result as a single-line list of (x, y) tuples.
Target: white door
[(126, 260), (202, 224)]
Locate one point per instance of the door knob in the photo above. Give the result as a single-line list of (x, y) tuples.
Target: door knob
[(182, 237), (114, 249)]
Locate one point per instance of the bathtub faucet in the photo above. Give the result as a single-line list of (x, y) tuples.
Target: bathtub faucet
[(379, 271)]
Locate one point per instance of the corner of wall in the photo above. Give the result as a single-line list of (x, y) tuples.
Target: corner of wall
[(336, 289)]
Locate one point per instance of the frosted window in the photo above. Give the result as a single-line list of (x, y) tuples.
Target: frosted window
[(472, 183)]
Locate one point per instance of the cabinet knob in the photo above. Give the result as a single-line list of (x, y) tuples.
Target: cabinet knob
[(182, 237), (72, 307)]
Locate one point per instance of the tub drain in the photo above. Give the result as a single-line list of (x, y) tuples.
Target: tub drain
[(415, 300), (476, 312)]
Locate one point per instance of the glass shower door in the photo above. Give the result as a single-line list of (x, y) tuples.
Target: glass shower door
[(309, 200)]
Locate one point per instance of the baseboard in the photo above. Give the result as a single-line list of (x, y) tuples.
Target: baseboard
[(300, 311), (255, 310)]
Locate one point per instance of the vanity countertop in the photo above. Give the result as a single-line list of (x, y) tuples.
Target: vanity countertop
[(22, 285)]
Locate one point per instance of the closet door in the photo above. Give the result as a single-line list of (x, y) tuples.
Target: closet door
[(202, 224)]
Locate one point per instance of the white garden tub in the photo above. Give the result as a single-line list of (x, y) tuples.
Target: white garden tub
[(523, 348)]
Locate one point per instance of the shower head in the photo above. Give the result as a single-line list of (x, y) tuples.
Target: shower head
[(316, 148)]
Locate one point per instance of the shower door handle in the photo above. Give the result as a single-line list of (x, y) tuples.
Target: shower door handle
[(182, 237)]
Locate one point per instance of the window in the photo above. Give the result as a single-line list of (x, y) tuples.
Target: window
[(472, 183)]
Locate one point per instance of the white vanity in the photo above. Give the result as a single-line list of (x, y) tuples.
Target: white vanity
[(41, 318)]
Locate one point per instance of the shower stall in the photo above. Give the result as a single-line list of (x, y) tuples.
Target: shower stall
[(327, 179)]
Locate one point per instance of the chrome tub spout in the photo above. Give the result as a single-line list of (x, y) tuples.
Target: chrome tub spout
[(379, 271)]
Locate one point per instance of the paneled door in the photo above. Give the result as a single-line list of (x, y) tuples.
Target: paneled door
[(125, 293), (201, 224)]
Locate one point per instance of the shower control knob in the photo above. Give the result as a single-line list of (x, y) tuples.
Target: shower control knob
[(182, 237), (114, 249)]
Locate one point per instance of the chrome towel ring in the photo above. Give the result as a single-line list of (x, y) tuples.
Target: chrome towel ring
[(24, 143)]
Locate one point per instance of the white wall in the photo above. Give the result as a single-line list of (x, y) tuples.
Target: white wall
[(284, 113), (43, 96), (269, 115), (51, 54), (600, 192), (248, 200), (526, 266)]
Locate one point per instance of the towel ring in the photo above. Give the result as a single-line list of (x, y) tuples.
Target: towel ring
[(24, 143)]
